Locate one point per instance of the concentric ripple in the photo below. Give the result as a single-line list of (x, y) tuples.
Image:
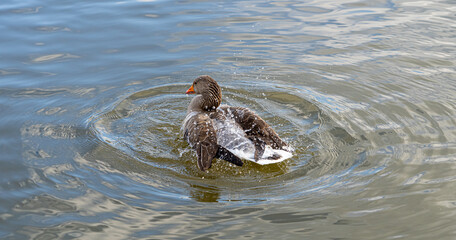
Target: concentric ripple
[(145, 129)]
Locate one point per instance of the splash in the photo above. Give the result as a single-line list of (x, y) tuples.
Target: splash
[(232, 137)]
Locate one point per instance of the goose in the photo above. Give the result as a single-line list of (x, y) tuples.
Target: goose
[(226, 132)]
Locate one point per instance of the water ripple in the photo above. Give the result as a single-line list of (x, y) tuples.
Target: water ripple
[(92, 98)]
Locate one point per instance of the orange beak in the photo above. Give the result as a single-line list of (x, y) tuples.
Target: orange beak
[(190, 90)]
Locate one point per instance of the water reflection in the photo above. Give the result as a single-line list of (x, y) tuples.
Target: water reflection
[(53, 57), (291, 217), (92, 100), (52, 131), (204, 194), (45, 203)]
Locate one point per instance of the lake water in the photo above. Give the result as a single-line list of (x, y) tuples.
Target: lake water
[(92, 97)]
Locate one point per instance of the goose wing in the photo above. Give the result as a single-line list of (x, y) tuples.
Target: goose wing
[(201, 135), (255, 128)]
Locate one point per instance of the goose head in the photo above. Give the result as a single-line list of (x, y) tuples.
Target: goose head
[(209, 94)]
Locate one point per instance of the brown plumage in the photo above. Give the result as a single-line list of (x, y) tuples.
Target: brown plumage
[(200, 132)]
